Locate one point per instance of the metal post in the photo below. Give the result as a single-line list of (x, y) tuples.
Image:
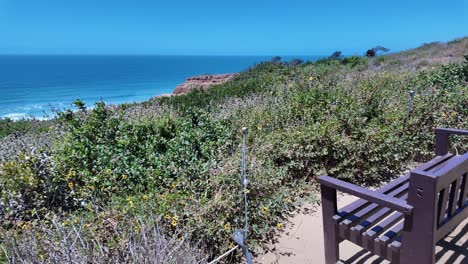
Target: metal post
[(410, 102)]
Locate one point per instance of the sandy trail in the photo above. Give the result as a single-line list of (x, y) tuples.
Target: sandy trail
[(302, 242)]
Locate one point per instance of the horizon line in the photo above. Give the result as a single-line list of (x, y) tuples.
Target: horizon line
[(166, 55)]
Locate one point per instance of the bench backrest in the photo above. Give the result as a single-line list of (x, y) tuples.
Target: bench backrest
[(440, 194)]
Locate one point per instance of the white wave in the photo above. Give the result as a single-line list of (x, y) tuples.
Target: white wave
[(20, 116), (32, 107)]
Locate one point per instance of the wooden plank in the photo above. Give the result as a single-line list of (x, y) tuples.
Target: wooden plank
[(442, 138), (452, 222), (434, 162), (330, 232), (356, 231), (455, 169), (366, 194), (369, 236), (359, 216), (463, 191), (454, 195), (359, 204), (442, 205), (383, 241), (393, 252)]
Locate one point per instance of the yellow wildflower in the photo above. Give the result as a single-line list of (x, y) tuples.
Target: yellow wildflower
[(167, 216), (173, 186), (247, 190), (227, 227), (280, 225), (311, 78), (24, 226), (124, 177), (66, 222), (174, 222), (231, 245), (264, 209), (70, 185), (444, 114), (130, 203), (145, 197)]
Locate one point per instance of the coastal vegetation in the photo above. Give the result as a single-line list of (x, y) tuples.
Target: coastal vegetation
[(123, 182)]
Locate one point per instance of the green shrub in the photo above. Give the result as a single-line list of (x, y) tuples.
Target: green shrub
[(178, 157)]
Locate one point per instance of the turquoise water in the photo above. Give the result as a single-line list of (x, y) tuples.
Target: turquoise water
[(30, 86)]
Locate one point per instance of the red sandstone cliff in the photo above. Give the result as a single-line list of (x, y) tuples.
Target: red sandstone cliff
[(203, 82)]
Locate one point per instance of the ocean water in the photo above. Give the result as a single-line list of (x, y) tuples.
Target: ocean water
[(30, 86)]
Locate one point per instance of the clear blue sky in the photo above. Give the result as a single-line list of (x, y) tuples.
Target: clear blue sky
[(223, 27)]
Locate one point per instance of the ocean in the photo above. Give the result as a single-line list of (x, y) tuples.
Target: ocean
[(32, 85)]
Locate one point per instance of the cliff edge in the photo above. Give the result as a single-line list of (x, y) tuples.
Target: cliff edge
[(203, 82)]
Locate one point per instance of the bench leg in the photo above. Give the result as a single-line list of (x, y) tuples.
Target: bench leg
[(418, 238), (330, 229)]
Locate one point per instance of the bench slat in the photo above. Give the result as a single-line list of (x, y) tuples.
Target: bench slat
[(359, 204), (448, 174), (454, 194), (356, 231), (345, 225), (451, 222), (393, 252), (442, 206), (383, 241), (463, 191), (369, 236)]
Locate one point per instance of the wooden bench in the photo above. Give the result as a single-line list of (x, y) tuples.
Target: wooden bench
[(403, 220)]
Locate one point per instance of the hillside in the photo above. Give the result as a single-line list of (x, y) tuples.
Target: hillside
[(133, 179)]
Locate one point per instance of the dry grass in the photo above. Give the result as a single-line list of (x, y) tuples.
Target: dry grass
[(74, 243)]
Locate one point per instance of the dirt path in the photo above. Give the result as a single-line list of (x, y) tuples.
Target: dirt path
[(302, 242)]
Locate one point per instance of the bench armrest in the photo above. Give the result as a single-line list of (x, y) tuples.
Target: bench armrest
[(368, 195), (442, 139)]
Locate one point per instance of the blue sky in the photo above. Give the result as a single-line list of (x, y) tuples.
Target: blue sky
[(223, 27)]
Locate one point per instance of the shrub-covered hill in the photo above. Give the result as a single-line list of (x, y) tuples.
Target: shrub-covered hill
[(107, 176)]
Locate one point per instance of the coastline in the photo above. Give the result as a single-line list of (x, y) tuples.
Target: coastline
[(204, 81)]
